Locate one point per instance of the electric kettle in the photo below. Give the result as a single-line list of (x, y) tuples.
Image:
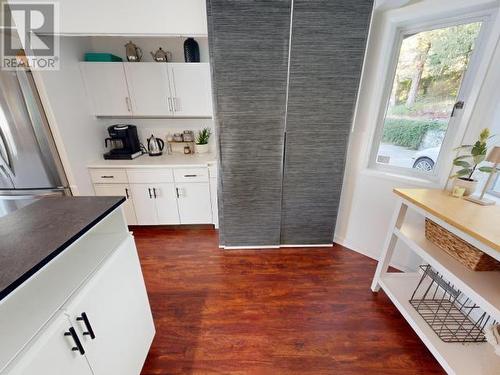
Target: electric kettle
[(155, 146)]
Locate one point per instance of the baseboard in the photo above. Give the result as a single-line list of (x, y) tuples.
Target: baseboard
[(272, 247), (248, 247), (399, 267), (321, 245)]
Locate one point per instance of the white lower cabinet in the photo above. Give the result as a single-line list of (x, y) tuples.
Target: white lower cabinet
[(194, 202), (155, 204), (112, 317), (161, 196), (145, 206), (105, 328), (117, 190), (166, 204), (50, 352)]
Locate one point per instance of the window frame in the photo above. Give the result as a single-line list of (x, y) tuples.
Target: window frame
[(454, 130), (491, 190)]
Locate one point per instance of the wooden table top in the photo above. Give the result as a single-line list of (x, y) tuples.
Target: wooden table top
[(480, 222)]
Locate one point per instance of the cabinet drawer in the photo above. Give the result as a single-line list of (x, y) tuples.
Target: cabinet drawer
[(150, 176), (191, 175), (109, 176)]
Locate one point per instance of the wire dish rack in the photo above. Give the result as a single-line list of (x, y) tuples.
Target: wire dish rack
[(452, 316)]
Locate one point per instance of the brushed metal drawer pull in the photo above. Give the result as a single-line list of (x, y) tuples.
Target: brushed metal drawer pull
[(190, 175), (107, 176)]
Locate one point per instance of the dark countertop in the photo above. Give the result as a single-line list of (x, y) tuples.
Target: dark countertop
[(34, 235)]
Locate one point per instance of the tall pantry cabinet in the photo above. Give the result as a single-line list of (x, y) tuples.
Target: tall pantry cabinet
[(285, 79)]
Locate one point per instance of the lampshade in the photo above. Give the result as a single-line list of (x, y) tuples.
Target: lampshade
[(494, 156)]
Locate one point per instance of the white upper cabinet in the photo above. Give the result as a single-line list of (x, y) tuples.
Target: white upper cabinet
[(107, 88), (191, 89), (149, 89), (159, 17), (51, 352)]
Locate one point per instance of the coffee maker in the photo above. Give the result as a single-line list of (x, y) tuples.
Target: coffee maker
[(123, 141)]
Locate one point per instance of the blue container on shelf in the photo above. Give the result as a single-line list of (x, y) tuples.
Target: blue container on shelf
[(102, 57)]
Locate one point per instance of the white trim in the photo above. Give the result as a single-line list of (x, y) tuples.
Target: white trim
[(272, 247), (392, 23), (399, 178), (249, 247), (321, 245), (54, 128), (456, 125)]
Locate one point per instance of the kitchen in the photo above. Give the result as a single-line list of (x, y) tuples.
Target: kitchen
[(191, 189), (137, 132)]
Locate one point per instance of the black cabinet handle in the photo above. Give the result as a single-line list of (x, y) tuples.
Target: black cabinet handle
[(107, 176), (78, 344), (154, 192), (126, 193), (177, 192), (190, 175), (150, 196), (85, 319)]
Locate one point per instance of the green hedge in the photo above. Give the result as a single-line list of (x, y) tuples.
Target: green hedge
[(408, 133)]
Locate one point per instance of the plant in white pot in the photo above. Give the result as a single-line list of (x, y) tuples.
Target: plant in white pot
[(469, 163), (202, 140)]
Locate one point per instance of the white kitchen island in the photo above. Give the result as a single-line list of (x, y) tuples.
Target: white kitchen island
[(72, 294)]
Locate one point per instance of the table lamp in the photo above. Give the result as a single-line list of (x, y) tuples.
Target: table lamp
[(493, 157)]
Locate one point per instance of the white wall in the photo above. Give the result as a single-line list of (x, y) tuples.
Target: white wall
[(78, 134), (162, 127), (175, 45), (367, 201), (144, 17)]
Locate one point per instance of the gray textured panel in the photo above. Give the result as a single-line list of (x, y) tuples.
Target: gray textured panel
[(249, 57), (328, 44)]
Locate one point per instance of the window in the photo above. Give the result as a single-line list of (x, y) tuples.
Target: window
[(424, 97)]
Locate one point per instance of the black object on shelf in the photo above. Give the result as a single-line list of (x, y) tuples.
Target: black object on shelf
[(452, 315), (191, 50)]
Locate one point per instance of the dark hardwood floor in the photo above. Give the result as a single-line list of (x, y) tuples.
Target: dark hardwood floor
[(300, 311)]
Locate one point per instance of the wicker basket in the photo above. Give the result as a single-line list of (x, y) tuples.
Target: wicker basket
[(470, 256)]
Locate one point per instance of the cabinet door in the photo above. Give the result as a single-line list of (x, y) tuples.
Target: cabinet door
[(166, 204), (107, 88), (112, 315), (50, 352), (119, 190), (149, 89), (144, 204), (194, 203), (192, 91)]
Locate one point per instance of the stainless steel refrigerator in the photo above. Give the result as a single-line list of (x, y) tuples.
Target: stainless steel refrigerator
[(30, 166)]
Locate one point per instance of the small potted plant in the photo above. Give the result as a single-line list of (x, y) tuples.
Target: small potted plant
[(202, 140), (469, 163)]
